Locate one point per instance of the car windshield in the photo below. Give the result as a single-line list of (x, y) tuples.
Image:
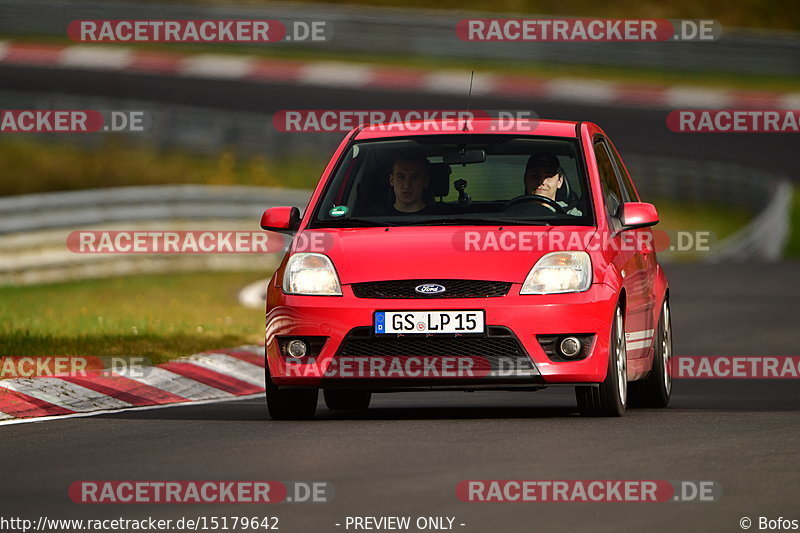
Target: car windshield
[(457, 180)]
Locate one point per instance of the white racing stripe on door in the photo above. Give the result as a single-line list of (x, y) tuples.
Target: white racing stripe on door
[(638, 345), (642, 334), (639, 340)]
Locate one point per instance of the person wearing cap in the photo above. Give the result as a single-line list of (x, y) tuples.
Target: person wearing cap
[(543, 177)]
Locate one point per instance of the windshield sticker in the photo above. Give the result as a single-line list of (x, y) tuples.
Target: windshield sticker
[(338, 211)]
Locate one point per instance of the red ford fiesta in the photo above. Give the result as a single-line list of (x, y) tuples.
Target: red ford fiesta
[(480, 256)]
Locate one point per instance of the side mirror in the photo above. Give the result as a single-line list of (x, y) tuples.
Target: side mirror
[(281, 219), (637, 215)]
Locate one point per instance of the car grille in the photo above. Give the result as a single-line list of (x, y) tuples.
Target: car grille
[(500, 349), (454, 288)]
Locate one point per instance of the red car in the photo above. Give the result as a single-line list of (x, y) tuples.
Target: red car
[(483, 256)]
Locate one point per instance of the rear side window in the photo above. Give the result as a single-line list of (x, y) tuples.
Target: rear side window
[(608, 178)]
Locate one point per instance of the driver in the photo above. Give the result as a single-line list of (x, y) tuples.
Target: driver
[(543, 177)]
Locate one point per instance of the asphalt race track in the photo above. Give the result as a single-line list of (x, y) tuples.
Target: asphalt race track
[(406, 455), (408, 452)]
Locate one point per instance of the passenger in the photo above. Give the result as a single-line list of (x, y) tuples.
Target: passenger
[(409, 179)]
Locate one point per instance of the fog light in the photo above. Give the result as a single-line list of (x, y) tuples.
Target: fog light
[(570, 347), (296, 348)]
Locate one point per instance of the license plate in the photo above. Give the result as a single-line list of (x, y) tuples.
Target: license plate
[(429, 322)]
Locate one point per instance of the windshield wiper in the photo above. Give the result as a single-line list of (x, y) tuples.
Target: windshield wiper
[(352, 223), (468, 221)]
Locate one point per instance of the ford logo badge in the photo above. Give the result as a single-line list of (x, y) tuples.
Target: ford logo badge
[(430, 288)]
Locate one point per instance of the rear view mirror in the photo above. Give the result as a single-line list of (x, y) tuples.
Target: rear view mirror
[(464, 157), (637, 215), (281, 219)]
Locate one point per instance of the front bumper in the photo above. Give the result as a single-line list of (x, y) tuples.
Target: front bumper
[(523, 317)]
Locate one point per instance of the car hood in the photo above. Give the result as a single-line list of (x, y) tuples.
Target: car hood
[(449, 252)]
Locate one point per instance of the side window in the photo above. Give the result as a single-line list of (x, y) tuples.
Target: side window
[(627, 186), (608, 178)]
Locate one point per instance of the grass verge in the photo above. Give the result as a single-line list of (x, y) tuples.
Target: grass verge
[(721, 221), (58, 166), (157, 316), (703, 227)]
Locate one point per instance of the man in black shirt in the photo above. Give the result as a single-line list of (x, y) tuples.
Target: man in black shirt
[(409, 179)]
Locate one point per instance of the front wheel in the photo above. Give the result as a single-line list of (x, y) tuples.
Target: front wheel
[(656, 389), (290, 404), (610, 398)]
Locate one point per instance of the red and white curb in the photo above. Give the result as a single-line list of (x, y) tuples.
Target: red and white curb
[(206, 377), (356, 76)]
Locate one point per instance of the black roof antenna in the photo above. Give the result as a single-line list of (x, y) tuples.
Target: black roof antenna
[(469, 97)]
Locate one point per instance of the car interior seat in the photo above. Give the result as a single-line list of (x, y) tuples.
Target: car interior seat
[(439, 182), (566, 194)]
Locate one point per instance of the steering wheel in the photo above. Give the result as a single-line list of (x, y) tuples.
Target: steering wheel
[(538, 198)]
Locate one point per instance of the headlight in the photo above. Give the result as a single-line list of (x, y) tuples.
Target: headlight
[(311, 274), (559, 272)]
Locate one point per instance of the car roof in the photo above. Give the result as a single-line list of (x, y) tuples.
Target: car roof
[(476, 126)]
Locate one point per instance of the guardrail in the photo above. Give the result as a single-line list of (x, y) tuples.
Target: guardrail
[(38, 212), (765, 237), (398, 31), (34, 229), (700, 182)]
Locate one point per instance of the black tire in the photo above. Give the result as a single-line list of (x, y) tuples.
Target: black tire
[(655, 390), (346, 400), (610, 398), (290, 404)]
